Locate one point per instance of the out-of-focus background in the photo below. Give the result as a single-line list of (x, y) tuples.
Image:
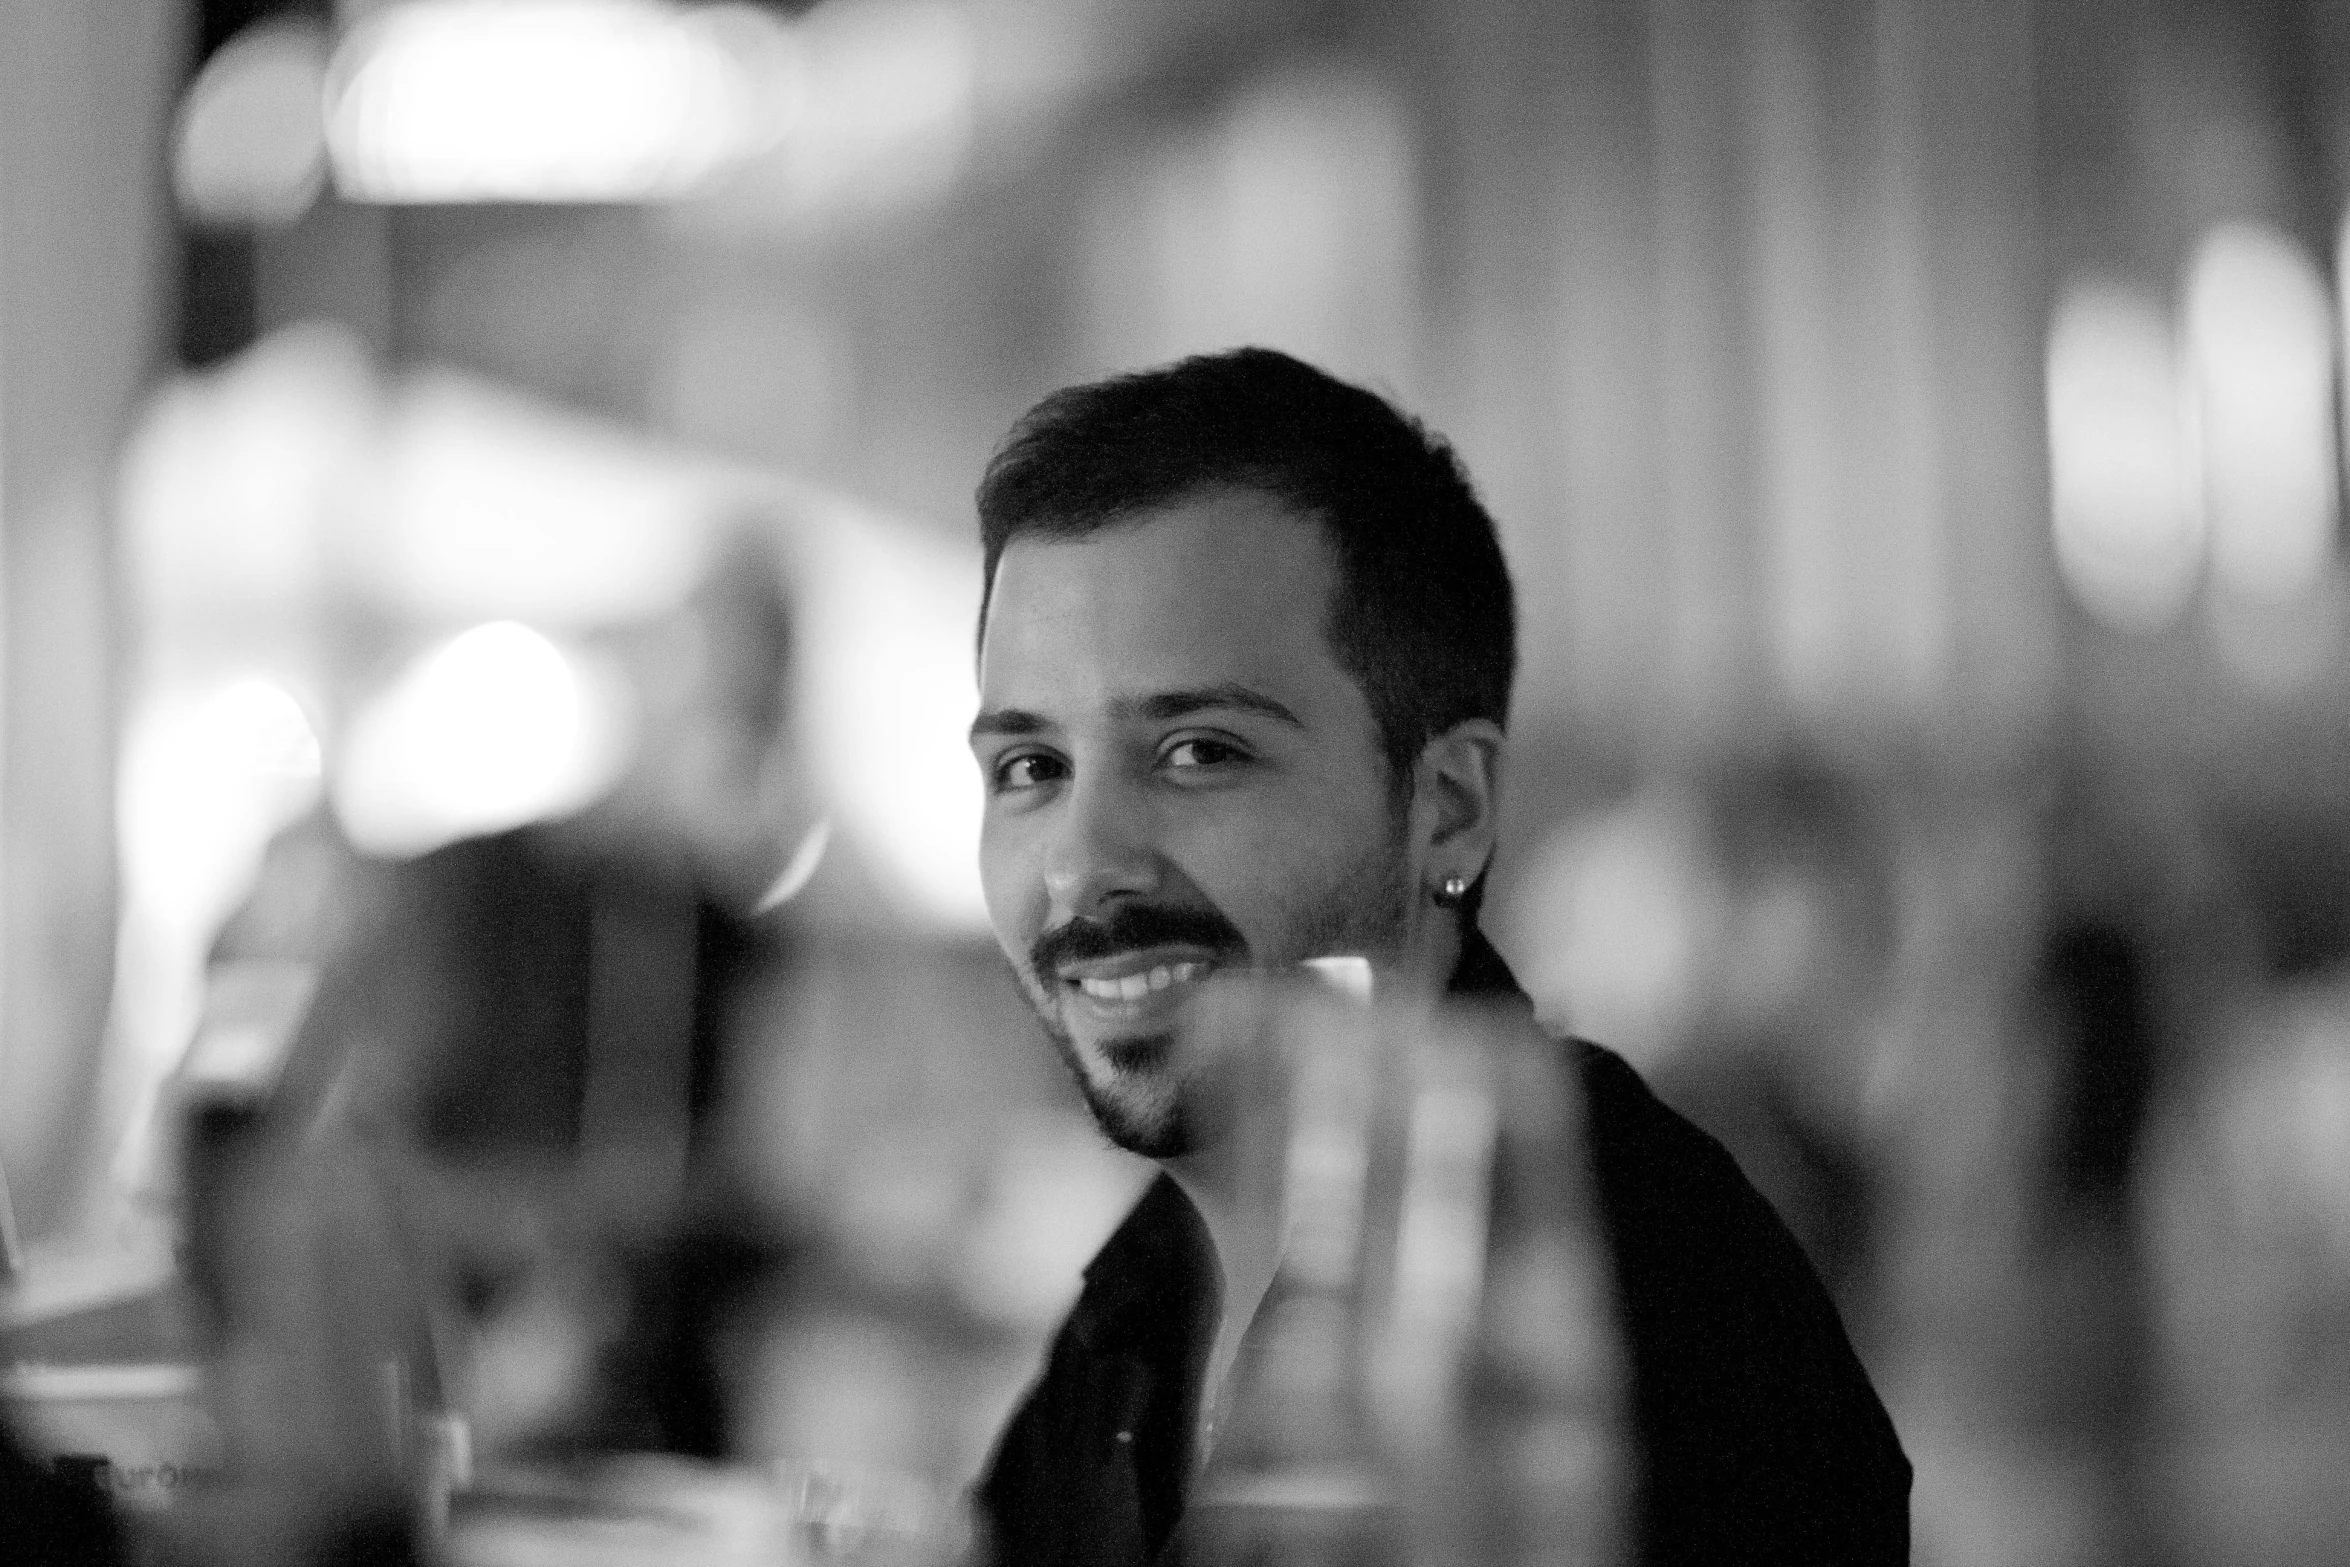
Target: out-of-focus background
[(1916, 430)]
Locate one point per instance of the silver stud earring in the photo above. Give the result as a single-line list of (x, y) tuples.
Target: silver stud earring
[(1450, 894)]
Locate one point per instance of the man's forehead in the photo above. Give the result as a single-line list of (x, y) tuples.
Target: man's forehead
[(1222, 587)]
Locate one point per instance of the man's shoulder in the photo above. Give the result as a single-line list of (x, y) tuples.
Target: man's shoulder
[(1649, 1154), (1675, 1200), (1755, 1415)]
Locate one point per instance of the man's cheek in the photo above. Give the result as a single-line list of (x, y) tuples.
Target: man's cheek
[(1009, 899)]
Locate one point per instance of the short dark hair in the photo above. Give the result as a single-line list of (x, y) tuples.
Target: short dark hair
[(1423, 616)]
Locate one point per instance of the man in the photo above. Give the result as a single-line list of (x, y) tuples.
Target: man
[(1246, 649)]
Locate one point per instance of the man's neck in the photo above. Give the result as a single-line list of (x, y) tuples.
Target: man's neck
[(1243, 1220), (1437, 956)]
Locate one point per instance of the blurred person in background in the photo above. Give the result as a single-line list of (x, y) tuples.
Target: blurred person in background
[(1775, 1057), (489, 1155), (2226, 1181), (1247, 642)]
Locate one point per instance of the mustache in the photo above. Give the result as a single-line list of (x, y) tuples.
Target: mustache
[(1083, 939)]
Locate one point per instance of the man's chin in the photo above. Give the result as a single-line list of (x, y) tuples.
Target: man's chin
[(1163, 1133), (1136, 1101), (1128, 1081)]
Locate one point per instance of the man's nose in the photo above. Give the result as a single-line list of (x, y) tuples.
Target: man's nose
[(1100, 852)]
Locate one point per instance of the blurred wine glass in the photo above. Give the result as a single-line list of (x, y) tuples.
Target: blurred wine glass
[(1435, 1374)]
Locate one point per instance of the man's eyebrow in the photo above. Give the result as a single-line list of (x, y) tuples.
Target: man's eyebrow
[(1008, 722), (1163, 705)]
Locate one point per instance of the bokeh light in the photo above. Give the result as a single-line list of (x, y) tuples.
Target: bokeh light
[(491, 729), (2129, 531), (544, 100), (209, 773), (2259, 338), (205, 781)]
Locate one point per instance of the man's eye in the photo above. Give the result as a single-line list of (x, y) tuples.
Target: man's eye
[(1026, 770), (1200, 753)]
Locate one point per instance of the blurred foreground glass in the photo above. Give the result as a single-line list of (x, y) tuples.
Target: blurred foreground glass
[(1435, 1374)]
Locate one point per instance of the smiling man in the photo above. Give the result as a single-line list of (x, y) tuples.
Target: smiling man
[(1245, 661), (1181, 777)]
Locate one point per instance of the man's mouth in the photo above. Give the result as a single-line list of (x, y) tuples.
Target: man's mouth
[(1128, 979)]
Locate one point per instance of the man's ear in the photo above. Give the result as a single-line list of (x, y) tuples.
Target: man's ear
[(1456, 799)]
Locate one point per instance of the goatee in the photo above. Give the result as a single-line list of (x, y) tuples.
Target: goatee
[(1147, 1103)]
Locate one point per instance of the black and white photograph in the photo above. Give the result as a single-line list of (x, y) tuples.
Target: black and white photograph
[(1174, 783)]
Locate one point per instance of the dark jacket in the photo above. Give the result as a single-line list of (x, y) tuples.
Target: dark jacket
[(1760, 1437)]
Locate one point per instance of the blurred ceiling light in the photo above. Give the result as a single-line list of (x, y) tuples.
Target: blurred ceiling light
[(250, 146), (2260, 343), (2129, 534), (553, 100), (491, 729)]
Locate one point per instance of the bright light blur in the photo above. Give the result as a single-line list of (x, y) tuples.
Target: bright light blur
[(2129, 531), (485, 505), (444, 499), (204, 784), (207, 776), (550, 100), (228, 478), (2260, 339), (250, 146), (489, 730), (888, 692)]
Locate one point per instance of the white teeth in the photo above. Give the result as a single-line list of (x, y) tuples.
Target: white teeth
[(1134, 987)]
